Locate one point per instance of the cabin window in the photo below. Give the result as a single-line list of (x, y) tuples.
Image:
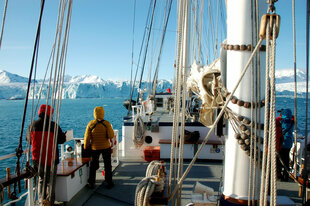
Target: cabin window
[(159, 102), (148, 140)]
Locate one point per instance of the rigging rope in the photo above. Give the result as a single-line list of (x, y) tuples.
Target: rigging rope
[(217, 119), (19, 149), (252, 117), (161, 46), (140, 53), (146, 48), (61, 81), (295, 90), (183, 77), (270, 124), (264, 184), (132, 48), (54, 90), (216, 30), (258, 97), (175, 126), (57, 89), (200, 28), (272, 128)]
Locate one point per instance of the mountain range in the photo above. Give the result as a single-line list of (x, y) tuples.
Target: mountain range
[(13, 86)]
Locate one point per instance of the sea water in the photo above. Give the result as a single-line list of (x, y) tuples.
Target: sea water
[(76, 113)]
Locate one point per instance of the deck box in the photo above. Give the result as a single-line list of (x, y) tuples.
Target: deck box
[(151, 153)]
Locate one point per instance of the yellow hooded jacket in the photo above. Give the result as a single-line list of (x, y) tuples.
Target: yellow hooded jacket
[(100, 134)]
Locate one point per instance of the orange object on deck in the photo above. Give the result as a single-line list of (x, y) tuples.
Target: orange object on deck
[(151, 153)]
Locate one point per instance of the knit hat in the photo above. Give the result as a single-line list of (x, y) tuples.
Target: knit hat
[(286, 114), (43, 110)]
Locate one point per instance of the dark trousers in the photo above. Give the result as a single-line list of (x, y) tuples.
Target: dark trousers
[(284, 154), (94, 165), (47, 184)]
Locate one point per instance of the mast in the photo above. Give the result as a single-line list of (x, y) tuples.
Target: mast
[(237, 162)]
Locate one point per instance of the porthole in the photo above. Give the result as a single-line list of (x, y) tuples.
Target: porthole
[(148, 140)]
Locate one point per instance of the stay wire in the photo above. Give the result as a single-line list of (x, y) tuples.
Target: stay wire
[(258, 94), (146, 48), (49, 95), (295, 88), (200, 30), (32, 105), (175, 126), (140, 53), (252, 118), (305, 174), (132, 44), (3, 21), (19, 149), (62, 68), (161, 45), (54, 89)]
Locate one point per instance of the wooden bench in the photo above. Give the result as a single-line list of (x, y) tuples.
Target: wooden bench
[(212, 150), (213, 142), (72, 176)]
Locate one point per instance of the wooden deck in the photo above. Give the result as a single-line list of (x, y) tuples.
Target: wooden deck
[(70, 165), (128, 174)]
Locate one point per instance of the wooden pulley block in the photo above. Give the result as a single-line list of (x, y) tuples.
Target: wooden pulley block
[(273, 19)]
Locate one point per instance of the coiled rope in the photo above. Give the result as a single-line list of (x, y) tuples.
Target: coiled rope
[(152, 168), (138, 132), (144, 190), (153, 182)]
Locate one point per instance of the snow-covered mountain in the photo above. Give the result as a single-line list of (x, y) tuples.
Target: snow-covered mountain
[(287, 75), (13, 86), (7, 77)]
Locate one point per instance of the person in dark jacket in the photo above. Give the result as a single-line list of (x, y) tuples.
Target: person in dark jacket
[(279, 143), (97, 136), (287, 123), (35, 136)]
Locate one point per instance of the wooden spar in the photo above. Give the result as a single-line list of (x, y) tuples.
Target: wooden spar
[(11, 179), (8, 177)]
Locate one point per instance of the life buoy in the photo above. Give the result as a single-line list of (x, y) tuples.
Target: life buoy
[(113, 144), (145, 105)]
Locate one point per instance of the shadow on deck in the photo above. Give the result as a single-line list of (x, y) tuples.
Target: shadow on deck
[(128, 174)]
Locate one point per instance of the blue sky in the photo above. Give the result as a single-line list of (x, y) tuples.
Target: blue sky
[(101, 37)]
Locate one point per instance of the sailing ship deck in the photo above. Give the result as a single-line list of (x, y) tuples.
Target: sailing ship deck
[(129, 173)]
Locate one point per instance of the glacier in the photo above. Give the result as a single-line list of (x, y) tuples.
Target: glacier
[(13, 86)]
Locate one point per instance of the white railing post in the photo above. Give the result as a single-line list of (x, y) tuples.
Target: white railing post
[(114, 155)]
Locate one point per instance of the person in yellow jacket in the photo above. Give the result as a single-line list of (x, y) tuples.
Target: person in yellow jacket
[(97, 135)]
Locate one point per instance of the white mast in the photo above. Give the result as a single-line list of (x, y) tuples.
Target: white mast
[(237, 162)]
